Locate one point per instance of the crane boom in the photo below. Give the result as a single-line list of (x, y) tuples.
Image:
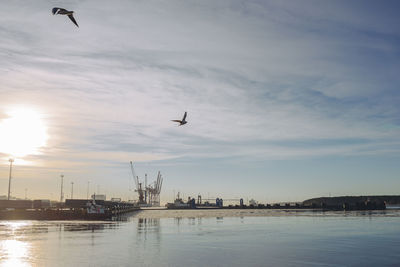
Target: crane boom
[(150, 194), (135, 178)]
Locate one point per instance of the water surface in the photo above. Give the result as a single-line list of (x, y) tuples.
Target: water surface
[(208, 238)]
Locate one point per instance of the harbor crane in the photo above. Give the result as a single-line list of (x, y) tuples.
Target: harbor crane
[(153, 191), (138, 186), (149, 194)]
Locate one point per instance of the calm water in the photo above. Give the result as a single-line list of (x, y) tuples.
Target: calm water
[(214, 238)]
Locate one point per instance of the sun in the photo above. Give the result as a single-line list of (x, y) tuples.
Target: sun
[(22, 133)]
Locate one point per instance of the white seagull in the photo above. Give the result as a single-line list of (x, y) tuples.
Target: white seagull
[(183, 121), (62, 11)]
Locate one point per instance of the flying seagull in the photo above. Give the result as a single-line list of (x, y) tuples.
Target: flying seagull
[(183, 121), (62, 11)]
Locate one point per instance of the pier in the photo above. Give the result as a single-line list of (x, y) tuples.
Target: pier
[(72, 209)]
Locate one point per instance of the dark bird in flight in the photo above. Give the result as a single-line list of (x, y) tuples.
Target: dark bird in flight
[(183, 121), (62, 11)]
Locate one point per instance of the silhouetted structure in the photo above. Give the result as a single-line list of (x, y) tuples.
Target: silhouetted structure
[(150, 194)]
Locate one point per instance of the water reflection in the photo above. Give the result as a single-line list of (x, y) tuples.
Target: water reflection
[(11, 229), (14, 252), (192, 220), (188, 240), (149, 226), (177, 220), (18, 237), (149, 235), (73, 227)]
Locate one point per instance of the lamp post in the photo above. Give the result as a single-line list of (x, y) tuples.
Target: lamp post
[(87, 192), (72, 190), (9, 179), (62, 184)]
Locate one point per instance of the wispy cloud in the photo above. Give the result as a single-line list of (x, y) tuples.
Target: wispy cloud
[(259, 79)]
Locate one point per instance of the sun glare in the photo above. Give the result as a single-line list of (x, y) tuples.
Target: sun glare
[(22, 133)]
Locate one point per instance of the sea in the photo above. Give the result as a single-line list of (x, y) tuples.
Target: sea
[(208, 238)]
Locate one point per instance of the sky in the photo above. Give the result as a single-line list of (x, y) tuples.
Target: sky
[(286, 100)]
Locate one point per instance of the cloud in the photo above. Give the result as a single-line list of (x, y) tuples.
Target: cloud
[(260, 79)]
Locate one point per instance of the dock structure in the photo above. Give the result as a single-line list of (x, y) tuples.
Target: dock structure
[(72, 209), (111, 208), (346, 203)]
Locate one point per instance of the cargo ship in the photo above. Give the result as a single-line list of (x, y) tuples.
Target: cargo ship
[(180, 204)]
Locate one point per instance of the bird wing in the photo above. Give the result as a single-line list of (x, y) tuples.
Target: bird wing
[(57, 10), (177, 121), (184, 116), (71, 17)]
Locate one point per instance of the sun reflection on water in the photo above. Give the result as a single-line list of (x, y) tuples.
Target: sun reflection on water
[(14, 252)]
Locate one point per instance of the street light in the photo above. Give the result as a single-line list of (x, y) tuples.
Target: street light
[(9, 179), (62, 183), (87, 192)]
